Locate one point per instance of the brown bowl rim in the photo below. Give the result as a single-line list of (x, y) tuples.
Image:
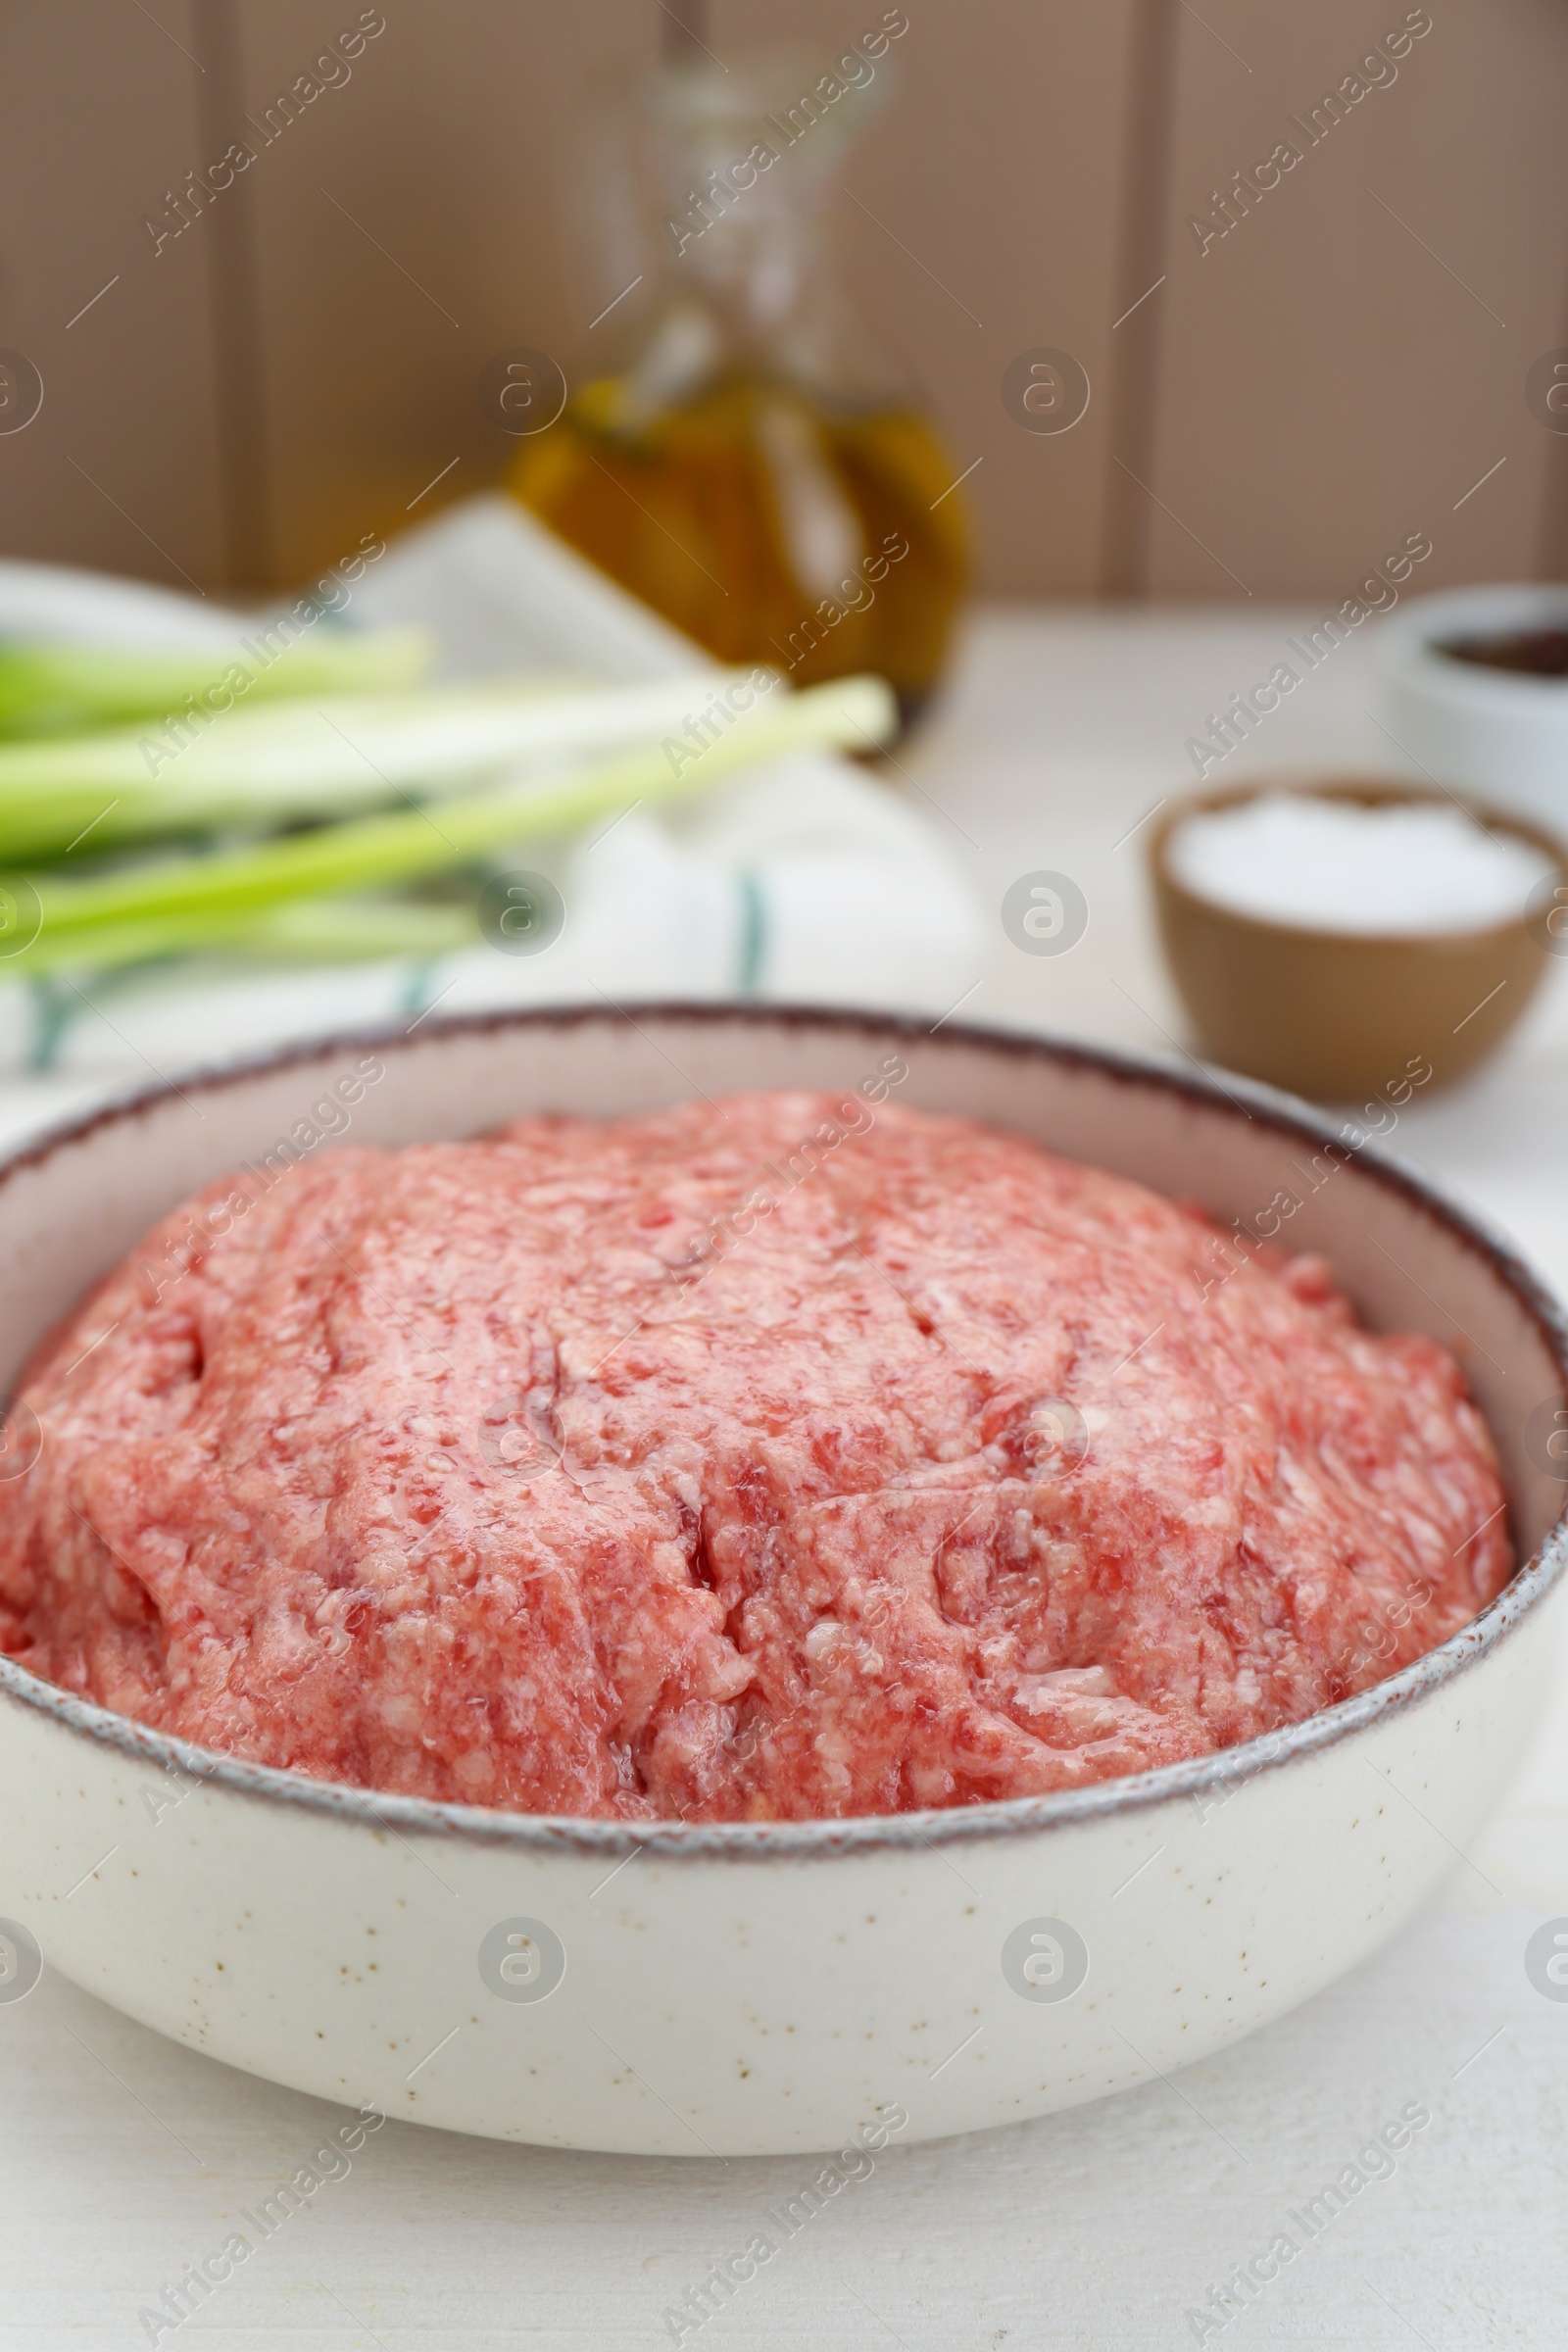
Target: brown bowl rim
[(1369, 790), (1131, 1793)]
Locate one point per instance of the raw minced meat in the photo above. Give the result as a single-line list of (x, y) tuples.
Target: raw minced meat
[(779, 1457)]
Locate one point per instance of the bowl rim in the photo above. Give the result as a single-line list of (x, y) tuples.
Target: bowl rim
[(1124, 1796), (1368, 789), (1407, 646)]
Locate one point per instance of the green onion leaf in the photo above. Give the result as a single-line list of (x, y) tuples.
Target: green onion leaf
[(53, 686), (162, 906), (302, 760)]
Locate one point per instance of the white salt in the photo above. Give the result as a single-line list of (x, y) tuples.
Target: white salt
[(1409, 868)]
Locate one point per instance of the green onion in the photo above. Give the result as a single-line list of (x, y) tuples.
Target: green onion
[(52, 686), (163, 906), (328, 930), (299, 760)]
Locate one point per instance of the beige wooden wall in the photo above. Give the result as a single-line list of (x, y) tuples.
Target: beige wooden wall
[(1334, 373)]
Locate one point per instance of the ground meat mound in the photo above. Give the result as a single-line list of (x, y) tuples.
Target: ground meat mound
[(779, 1457)]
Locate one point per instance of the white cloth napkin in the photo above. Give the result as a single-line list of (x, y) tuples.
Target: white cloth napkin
[(804, 880)]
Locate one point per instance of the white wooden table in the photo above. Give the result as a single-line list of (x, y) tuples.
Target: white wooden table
[(123, 2159)]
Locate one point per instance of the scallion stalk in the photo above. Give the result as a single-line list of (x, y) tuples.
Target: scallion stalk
[(53, 686), (311, 759), (186, 895), (324, 930), (59, 685)]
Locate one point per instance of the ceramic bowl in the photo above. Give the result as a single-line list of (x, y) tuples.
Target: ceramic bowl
[(1492, 732), (765, 1987), (1340, 1014)]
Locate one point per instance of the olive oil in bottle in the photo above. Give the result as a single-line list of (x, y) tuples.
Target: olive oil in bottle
[(753, 472)]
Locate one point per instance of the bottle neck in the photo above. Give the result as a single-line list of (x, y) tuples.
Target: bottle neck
[(737, 190)]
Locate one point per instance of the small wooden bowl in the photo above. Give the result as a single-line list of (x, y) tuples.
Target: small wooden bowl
[(1333, 1014)]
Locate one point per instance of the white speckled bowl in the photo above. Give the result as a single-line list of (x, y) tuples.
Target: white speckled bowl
[(757, 1987)]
